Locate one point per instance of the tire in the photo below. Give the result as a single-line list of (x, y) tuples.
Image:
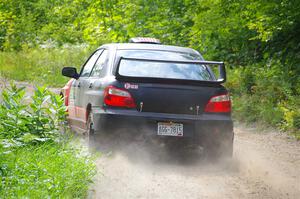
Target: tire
[(90, 132)]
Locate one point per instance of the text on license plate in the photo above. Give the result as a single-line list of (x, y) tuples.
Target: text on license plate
[(169, 129)]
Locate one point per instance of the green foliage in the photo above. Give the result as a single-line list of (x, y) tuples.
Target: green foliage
[(238, 31), (265, 96), (36, 160), (35, 122)]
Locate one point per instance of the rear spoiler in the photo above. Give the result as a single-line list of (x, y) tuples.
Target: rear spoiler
[(220, 80)]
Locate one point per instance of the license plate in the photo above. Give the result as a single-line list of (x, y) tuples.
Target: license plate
[(170, 129)]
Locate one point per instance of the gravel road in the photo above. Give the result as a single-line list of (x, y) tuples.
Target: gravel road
[(265, 165)]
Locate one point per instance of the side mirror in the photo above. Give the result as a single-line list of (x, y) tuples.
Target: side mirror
[(222, 73), (70, 72)]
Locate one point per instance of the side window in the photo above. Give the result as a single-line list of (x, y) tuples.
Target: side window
[(99, 65), (89, 64)]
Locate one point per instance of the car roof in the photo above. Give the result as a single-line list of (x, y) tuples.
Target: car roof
[(142, 46)]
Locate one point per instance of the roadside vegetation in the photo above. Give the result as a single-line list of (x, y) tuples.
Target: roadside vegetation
[(36, 159), (258, 40), (41, 65)]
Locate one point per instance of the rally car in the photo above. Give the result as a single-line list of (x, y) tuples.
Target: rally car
[(169, 91)]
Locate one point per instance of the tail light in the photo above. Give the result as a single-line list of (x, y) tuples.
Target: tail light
[(219, 104), (117, 97)]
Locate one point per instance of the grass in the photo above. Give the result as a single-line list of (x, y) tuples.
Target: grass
[(41, 66), (47, 171)]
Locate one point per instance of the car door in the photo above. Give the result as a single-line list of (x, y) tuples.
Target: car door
[(92, 89), (80, 85)]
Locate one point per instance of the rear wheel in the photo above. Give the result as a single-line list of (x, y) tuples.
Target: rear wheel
[(90, 132), (95, 133)]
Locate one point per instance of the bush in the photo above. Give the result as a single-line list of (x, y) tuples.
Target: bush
[(36, 160), (38, 121), (264, 93)]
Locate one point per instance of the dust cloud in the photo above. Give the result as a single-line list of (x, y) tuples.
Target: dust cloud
[(134, 167)]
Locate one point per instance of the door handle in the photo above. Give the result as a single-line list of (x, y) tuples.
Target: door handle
[(91, 85), (78, 85)]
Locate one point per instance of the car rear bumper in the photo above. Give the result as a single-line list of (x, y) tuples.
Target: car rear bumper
[(195, 126)]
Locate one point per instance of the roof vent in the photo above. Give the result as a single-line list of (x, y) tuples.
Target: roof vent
[(144, 40)]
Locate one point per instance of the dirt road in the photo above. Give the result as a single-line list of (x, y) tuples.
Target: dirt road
[(265, 165)]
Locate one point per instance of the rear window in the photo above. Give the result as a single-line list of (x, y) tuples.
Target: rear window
[(157, 54), (160, 69)]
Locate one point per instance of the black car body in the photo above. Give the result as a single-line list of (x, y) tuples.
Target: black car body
[(168, 91)]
